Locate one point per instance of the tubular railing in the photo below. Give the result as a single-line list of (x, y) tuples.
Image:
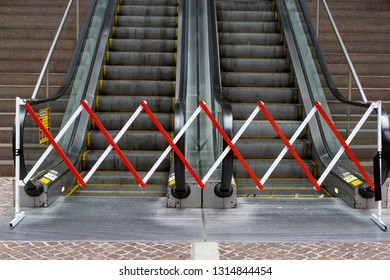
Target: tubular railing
[(45, 69), (352, 71)]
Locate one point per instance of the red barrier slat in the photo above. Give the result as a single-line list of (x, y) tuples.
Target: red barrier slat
[(55, 145), (231, 145), (344, 144), (169, 140), (289, 146), (113, 144)]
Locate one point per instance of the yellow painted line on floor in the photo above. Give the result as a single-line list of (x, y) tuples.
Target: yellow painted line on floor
[(121, 192)]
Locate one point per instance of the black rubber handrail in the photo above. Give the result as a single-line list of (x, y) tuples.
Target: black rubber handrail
[(224, 189), (180, 189), (32, 189), (385, 122)]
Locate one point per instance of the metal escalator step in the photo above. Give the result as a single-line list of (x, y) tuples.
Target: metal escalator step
[(287, 168), (131, 140), (245, 5), (147, 10), (126, 178), (287, 111), (141, 160), (241, 51), (145, 33), (120, 190), (270, 149), (254, 65), (248, 27), (115, 121), (246, 16), (263, 129), (250, 39), (257, 79), (256, 94), (135, 45), (121, 72), (141, 58), (141, 88), (146, 21), (159, 104)]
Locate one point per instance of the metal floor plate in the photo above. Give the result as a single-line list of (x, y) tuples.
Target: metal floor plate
[(148, 219)]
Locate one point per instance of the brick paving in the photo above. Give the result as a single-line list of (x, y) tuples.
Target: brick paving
[(305, 251), (94, 251), (103, 250)]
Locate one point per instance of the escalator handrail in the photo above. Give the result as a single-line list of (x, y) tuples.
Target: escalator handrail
[(385, 122), (180, 189), (216, 91)]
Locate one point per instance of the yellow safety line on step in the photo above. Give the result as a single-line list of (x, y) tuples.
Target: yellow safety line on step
[(104, 70), (113, 31), (175, 56), (97, 102), (101, 86), (89, 138), (173, 103), (174, 85), (276, 16), (116, 20), (107, 56)]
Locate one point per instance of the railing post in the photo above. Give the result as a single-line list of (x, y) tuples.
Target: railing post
[(48, 81), (77, 19), (378, 217), (348, 130), (18, 215), (318, 19)]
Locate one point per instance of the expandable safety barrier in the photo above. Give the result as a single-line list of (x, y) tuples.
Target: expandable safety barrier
[(172, 145)]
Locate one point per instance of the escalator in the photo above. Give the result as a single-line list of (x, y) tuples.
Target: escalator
[(139, 64), (255, 66)]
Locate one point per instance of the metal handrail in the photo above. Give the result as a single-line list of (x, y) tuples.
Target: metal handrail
[(45, 69), (344, 49)]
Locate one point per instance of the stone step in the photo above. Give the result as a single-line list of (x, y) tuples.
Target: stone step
[(31, 79), (353, 37), (33, 66), (369, 58), (34, 9), (23, 91), (61, 3), (361, 69), (5, 135), (7, 168), (36, 44), (23, 34), (6, 151), (366, 81)]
